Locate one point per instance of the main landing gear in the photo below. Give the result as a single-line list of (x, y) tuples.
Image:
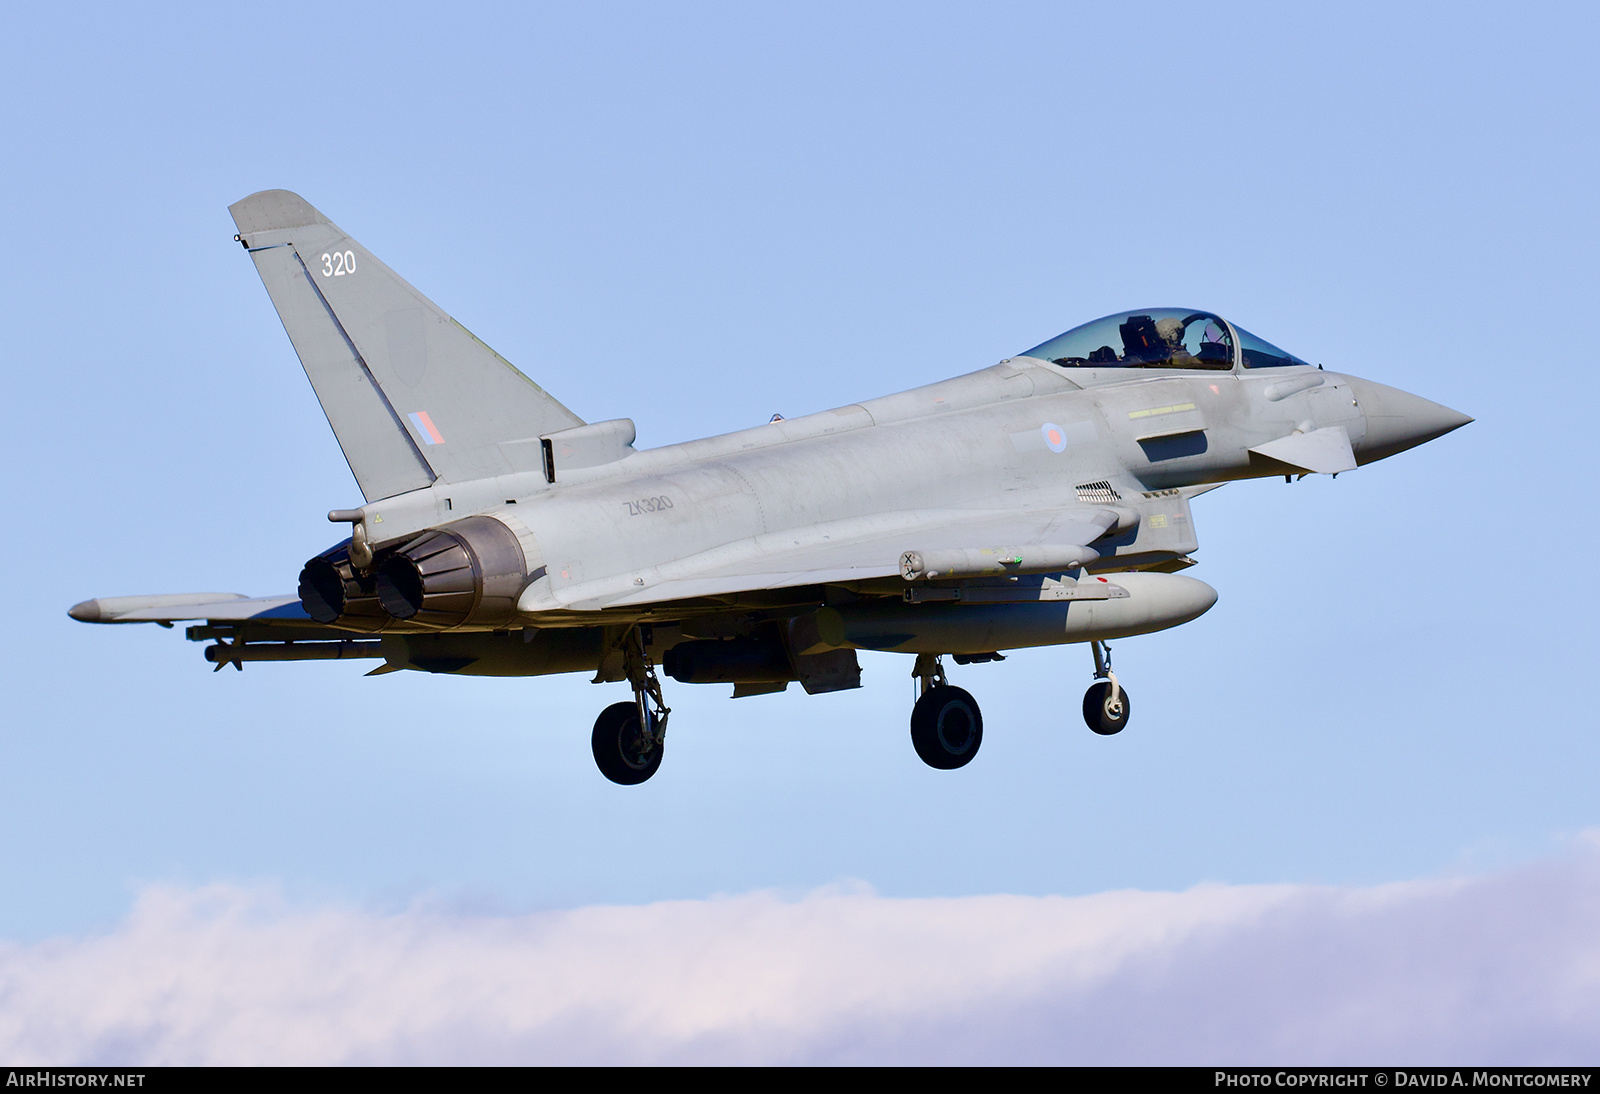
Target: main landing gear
[(628, 738), (946, 725), (1105, 705)]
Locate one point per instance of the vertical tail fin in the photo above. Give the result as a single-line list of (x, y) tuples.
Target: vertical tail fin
[(410, 393)]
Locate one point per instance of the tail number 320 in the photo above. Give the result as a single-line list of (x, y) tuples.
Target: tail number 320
[(338, 263)]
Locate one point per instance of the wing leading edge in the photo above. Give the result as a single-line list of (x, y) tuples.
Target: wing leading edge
[(171, 608)]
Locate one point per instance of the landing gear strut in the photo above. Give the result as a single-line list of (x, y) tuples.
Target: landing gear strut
[(1105, 705), (628, 738), (946, 725)]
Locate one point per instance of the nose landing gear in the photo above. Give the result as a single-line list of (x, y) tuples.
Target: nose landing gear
[(1105, 705), (629, 738), (946, 725)]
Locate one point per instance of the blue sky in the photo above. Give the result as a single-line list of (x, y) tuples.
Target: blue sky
[(696, 215)]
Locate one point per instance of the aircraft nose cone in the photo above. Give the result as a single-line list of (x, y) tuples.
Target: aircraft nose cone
[(1398, 420)]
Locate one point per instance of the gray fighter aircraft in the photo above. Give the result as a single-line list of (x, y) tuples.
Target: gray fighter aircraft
[(1041, 501)]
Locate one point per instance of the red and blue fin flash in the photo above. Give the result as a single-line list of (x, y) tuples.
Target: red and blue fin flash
[(425, 426)]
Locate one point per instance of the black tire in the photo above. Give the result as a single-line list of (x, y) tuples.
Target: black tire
[(1095, 708), (618, 746), (946, 727)]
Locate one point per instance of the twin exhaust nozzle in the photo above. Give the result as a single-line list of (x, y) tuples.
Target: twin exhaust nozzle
[(468, 571)]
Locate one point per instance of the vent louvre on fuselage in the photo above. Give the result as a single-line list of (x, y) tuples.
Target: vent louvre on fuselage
[(1097, 493)]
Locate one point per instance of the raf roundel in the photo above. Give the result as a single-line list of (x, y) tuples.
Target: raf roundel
[(1054, 438)]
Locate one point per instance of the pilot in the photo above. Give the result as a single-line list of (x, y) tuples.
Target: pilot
[(1147, 345), (1171, 331)]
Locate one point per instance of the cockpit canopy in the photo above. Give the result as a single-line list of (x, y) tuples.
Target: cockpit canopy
[(1161, 338)]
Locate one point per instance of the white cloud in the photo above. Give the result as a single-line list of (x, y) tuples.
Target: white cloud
[(1498, 969)]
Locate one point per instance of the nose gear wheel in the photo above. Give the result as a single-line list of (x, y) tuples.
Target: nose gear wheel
[(1105, 705)]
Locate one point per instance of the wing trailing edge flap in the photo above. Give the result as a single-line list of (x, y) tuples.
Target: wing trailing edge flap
[(1324, 451), (410, 393), (852, 550)]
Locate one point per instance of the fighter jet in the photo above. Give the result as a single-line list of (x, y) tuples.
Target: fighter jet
[(1042, 501)]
